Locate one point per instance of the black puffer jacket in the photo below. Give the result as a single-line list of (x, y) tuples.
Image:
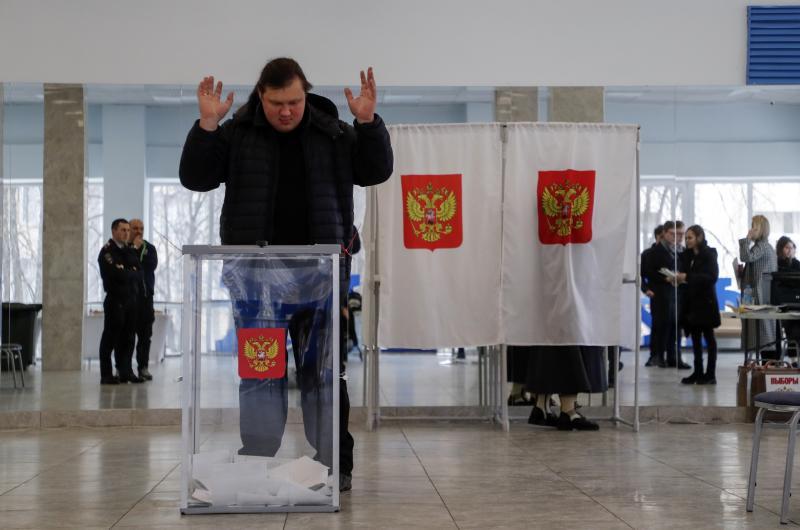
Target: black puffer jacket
[(699, 307), (243, 155)]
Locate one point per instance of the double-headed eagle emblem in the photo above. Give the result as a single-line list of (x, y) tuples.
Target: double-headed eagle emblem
[(429, 210), (261, 353), (564, 205)]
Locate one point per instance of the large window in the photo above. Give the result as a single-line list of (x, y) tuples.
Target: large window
[(780, 203), (95, 239), (22, 241), (659, 200), (721, 208), (179, 217)]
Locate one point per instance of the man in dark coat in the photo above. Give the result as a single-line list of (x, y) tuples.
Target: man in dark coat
[(148, 257), (644, 270), (663, 303), (121, 273), (289, 165)]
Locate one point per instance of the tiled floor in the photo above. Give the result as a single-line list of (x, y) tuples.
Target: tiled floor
[(423, 475), (407, 379)]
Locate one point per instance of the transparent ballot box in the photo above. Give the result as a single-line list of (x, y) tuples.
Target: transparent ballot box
[(260, 339)]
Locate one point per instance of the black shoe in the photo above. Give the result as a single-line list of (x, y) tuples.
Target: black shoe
[(345, 482), (113, 380), (538, 417), (652, 361), (132, 378), (144, 373), (579, 424), (692, 379), (707, 380), (684, 366)]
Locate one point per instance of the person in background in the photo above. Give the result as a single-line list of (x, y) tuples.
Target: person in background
[(120, 271), (148, 257), (663, 303), (644, 270), (699, 272), (786, 249), (759, 257)]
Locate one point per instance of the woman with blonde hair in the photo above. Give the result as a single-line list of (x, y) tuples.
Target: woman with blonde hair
[(759, 257)]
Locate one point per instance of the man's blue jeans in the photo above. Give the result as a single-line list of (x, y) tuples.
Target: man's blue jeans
[(295, 295)]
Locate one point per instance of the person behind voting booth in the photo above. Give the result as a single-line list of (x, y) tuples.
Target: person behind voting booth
[(664, 300), (148, 257), (758, 257), (289, 165), (698, 272), (787, 262), (122, 280), (645, 270)]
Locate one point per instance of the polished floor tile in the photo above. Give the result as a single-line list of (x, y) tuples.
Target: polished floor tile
[(417, 475)]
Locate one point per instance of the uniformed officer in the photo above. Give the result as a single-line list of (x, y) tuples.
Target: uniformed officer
[(148, 257), (122, 277)]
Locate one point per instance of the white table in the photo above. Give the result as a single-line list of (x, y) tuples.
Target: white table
[(93, 329), (765, 314)]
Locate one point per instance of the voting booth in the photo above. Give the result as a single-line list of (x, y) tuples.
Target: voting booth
[(275, 446)]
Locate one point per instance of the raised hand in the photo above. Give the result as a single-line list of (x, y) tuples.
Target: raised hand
[(212, 108), (363, 106)]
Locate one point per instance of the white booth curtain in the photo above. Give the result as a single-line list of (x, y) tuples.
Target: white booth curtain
[(463, 259), (443, 292)]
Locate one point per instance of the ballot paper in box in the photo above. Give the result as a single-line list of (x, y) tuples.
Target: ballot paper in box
[(263, 321)]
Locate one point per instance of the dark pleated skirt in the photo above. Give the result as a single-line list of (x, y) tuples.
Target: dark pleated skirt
[(558, 369)]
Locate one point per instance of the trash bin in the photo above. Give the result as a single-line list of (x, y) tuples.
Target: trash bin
[(18, 326)]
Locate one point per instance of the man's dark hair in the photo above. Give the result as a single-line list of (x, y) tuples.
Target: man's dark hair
[(669, 225), (658, 231), (116, 222), (679, 224), (278, 73)]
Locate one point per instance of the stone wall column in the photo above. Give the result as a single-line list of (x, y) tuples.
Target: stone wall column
[(516, 104), (576, 104), (63, 259)]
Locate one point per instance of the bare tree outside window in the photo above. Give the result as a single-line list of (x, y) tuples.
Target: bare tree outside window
[(721, 209), (22, 246), (180, 217), (95, 239)]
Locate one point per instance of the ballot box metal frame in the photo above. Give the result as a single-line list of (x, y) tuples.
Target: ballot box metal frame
[(194, 256)]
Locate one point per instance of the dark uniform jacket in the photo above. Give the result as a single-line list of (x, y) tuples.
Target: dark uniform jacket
[(699, 305), (120, 270)]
